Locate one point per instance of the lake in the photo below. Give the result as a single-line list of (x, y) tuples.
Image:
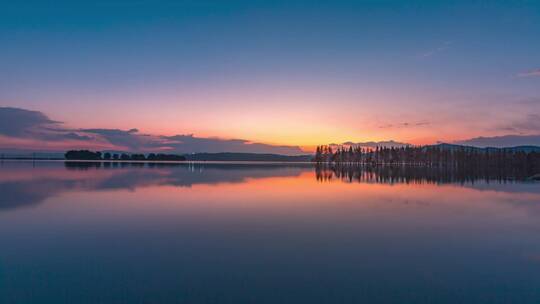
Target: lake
[(264, 233)]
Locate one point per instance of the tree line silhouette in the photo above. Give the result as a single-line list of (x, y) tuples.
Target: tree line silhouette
[(90, 155), (432, 156)]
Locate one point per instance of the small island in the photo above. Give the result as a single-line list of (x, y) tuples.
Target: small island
[(107, 156)]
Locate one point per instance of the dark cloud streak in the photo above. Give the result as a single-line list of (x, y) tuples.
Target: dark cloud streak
[(21, 123), (405, 125), (530, 123), (17, 122)]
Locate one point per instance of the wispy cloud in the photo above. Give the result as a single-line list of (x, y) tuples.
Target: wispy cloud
[(530, 101), (526, 125), (404, 125), (530, 73), (441, 48), (422, 123), (374, 144)]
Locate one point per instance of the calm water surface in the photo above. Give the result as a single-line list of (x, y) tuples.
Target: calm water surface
[(245, 233)]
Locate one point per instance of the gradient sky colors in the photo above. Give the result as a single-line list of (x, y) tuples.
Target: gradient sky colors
[(278, 72)]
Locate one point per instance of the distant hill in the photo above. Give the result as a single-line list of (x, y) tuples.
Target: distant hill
[(30, 154), (229, 156), (526, 149)]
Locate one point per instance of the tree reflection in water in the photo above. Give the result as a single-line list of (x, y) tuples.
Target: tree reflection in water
[(390, 174)]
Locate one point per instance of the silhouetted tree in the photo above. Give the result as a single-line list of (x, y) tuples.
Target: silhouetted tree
[(165, 157), (82, 155), (433, 156), (138, 157)]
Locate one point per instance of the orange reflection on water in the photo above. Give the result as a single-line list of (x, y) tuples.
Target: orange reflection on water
[(207, 188)]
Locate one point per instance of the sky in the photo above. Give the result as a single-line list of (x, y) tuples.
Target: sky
[(268, 76)]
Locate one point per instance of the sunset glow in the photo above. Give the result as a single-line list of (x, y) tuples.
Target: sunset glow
[(298, 74)]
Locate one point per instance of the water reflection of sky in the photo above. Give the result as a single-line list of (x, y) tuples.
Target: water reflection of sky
[(267, 233), (28, 183)]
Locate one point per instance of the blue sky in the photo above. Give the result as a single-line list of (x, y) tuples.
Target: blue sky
[(278, 72)]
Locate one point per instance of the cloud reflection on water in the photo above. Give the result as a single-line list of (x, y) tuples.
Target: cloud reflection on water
[(24, 184)]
